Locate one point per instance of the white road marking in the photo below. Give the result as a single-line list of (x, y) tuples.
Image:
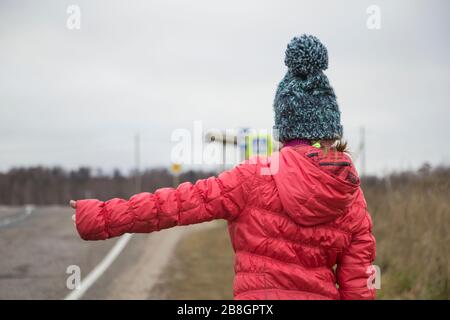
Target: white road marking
[(98, 271), (140, 277)]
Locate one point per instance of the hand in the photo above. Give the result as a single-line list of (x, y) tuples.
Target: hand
[(73, 204)]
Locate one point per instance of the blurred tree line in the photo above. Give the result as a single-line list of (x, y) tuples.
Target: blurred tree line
[(44, 186)]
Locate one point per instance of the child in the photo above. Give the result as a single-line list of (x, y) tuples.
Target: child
[(289, 229)]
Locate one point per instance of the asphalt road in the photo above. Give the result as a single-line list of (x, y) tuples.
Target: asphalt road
[(36, 250)]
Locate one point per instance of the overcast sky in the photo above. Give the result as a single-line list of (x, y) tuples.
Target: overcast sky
[(77, 97)]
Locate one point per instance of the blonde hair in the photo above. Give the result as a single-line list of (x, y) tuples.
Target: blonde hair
[(339, 145)]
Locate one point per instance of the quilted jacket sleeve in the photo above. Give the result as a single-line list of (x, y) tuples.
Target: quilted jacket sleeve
[(220, 197), (354, 268)]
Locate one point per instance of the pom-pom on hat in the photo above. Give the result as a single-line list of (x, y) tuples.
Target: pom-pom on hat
[(305, 104)]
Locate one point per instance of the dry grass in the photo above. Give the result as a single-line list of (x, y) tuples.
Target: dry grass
[(411, 213), (202, 267)]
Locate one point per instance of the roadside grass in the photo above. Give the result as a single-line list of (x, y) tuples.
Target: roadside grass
[(201, 267), (411, 214)]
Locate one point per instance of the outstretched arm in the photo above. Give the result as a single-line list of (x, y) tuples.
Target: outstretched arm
[(354, 265), (214, 198)]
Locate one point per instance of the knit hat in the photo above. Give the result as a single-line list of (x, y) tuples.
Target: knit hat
[(305, 104)]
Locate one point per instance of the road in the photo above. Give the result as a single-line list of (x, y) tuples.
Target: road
[(36, 251)]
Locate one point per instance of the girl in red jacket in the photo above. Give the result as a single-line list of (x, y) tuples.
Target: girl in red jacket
[(301, 232)]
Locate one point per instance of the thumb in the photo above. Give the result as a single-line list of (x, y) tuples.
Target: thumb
[(73, 204)]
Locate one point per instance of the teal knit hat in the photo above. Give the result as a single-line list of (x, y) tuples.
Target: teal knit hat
[(305, 104)]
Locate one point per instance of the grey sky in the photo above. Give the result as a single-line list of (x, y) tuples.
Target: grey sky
[(77, 97)]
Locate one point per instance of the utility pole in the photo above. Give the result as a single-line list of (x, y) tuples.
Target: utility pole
[(362, 150), (224, 139), (224, 151), (227, 140), (137, 159)]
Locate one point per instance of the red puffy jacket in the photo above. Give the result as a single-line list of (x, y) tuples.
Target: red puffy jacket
[(292, 218)]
